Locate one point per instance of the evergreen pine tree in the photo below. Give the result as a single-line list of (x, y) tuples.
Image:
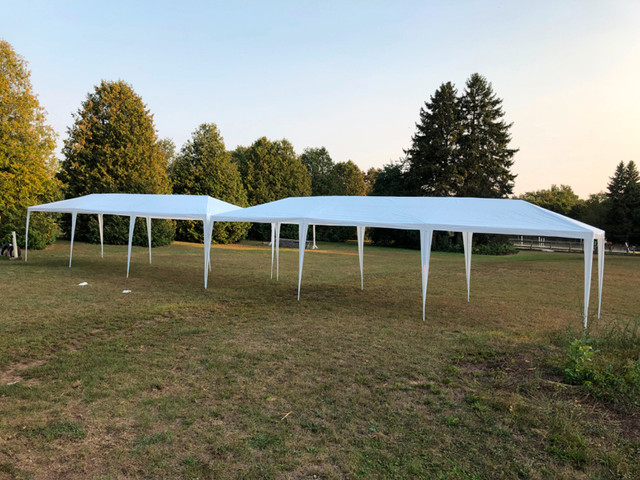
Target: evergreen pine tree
[(27, 162), (434, 158), (204, 167), (484, 144), (624, 204), (113, 147)]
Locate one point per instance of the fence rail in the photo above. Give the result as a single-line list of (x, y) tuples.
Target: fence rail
[(525, 242)]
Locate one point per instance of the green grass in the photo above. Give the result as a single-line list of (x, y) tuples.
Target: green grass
[(243, 381)]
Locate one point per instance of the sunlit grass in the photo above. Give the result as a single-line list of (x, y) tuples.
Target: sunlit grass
[(243, 381)]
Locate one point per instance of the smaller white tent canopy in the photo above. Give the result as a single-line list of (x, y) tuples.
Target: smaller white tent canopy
[(426, 214), (133, 205)]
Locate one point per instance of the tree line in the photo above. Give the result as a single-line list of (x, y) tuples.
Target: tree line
[(461, 148)]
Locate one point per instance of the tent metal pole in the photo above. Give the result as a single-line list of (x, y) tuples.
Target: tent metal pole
[(149, 236), (314, 246), (273, 246), (26, 236), (101, 230), (132, 224), (277, 251), (588, 264), (360, 231), (73, 232), (208, 232), (601, 241), (303, 228), (426, 236), (467, 239)]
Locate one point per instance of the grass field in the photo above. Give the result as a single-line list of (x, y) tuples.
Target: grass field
[(243, 381)]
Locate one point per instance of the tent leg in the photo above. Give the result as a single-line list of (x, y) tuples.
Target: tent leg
[(132, 224), (273, 246), (588, 263), (426, 236), (360, 231), (101, 230), (601, 241), (467, 238), (74, 215), (149, 236), (314, 246), (303, 228), (26, 236), (208, 231), (277, 251)]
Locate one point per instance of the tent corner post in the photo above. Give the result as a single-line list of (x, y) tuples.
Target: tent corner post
[(588, 265), (303, 228), (360, 233), (74, 216), (149, 236), (132, 224), (601, 242), (426, 237), (101, 231), (467, 241), (277, 239), (26, 237)]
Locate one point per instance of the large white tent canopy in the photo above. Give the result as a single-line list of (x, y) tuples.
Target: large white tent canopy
[(175, 207), (425, 214)]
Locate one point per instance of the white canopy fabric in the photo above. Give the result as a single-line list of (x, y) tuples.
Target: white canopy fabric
[(133, 205), (425, 214)]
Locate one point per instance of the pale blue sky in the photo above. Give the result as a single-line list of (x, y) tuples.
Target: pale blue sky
[(352, 76)]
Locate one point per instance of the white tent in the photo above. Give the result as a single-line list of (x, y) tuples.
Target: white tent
[(148, 206), (425, 214)]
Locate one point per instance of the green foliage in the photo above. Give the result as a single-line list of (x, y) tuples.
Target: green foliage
[(370, 179), (204, 167), (271, 171), (484, 145), (592, 211), (27, 162), (168, 149), (624, 204), (351, 179), (113, 147), (461, 146), (560, 199), (321, 169), (579, 367), (434, 157), (620, 383)]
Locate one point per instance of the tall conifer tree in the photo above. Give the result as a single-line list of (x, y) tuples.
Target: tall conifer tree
[(434, 166), (484, 144)]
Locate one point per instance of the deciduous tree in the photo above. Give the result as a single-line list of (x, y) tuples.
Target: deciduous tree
[(112, 147), (271, 170), (204, 167), (27, 162), (560, 199)]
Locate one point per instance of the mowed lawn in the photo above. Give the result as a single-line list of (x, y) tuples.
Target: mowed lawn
[(243, 381)]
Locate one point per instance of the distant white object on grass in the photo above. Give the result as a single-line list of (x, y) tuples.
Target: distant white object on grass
[(82, 284), (126, 291)]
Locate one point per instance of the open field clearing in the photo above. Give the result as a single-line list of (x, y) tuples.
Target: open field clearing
[(243, 381)]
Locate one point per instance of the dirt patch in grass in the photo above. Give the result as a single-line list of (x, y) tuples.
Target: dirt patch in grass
[(12, 374)]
